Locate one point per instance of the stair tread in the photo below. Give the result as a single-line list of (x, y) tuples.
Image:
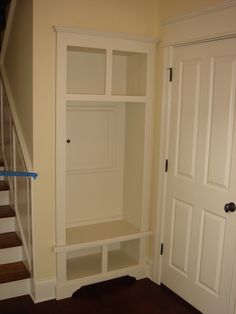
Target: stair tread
[(6, 211), (4, 186), (9, 239), (13, 271)]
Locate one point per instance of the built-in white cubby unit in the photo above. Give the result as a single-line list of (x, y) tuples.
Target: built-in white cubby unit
[(129, 71), (103, 156)]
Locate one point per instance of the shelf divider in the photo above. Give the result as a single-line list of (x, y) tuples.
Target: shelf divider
[(109, 72)]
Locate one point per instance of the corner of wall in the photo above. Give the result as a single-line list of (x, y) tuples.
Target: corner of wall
[(43, 289)]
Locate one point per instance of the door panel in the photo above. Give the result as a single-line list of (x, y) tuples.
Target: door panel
[(212, 229), (189, 78), (220, 122), (199, 237), (180, 236)]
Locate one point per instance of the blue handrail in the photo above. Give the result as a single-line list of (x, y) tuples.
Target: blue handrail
[(33, 175)]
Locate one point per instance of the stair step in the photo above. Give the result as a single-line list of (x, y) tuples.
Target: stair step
[(13, 272), (9, 239), (6, 211), (4, 186)]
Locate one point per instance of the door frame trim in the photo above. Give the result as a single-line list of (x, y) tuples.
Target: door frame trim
[(173, 38), (195, 27)]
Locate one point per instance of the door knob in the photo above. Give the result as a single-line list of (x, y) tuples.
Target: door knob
[(230, 207)]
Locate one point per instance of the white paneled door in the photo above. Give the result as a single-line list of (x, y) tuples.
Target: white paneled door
[(200, 236)]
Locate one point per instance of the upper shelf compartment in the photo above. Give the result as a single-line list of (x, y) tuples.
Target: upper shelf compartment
[(86, 70), (129, 73)]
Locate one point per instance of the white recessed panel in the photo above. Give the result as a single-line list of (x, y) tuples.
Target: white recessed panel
[(187, 123), (95, 162), (91, 133), (220, 121), (93, 197), (180, 236), (210, 251)]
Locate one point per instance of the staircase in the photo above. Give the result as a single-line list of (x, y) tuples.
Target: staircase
[(14, 276), (4, 9)]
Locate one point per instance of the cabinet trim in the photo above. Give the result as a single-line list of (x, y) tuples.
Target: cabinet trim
[(87, 31)]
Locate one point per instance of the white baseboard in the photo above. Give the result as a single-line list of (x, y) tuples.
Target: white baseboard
[(66, 289), (150, 269), (43, 290)]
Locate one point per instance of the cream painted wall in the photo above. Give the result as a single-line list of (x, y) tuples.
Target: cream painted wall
[(18, 66), (139, 17)]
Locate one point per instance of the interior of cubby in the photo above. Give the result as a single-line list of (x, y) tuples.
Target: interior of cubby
[(84, 262), (129, 73), (99, 232), (104, 162), (123, 254), (86, 70)]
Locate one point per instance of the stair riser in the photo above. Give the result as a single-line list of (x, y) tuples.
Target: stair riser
[(11, 255), (14, 289), (7, 224), (4, 198), (1, 177)]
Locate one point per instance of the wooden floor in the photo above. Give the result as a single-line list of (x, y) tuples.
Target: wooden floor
[(116, 297)]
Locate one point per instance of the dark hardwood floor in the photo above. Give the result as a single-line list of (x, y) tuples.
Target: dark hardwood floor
[(9, 239), (13, 271), (116, 297)]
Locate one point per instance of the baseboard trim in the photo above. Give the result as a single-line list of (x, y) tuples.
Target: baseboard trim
[(66, 289), (43, 290)]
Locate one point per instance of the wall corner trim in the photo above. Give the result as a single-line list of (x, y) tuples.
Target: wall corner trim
[(44, 289)]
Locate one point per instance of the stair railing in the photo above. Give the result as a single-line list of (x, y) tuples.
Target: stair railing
[(17, 176)]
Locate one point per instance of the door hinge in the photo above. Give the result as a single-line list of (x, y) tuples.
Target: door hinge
[(170, 74), (162, 249), (166, 165)]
